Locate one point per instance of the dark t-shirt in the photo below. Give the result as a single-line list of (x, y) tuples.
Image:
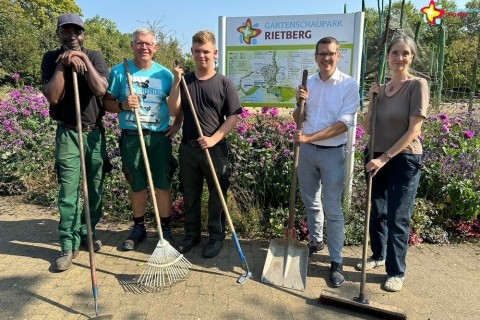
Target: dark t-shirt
[(214, 100), (91, 107)]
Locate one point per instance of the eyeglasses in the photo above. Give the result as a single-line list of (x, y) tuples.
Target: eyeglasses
[(324, 55), (140, 44)]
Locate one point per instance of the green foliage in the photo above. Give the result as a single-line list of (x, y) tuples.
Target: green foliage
[(39, 12), (102, 34), (21, 46)]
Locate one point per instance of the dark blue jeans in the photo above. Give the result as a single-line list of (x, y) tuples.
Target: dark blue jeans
[(393, 196)]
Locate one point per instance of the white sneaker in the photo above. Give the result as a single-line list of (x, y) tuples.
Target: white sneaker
[(371, 264), (394, 284)]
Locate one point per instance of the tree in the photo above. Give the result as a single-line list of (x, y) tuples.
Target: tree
[(21, 46), (39, 12), (102, 34)]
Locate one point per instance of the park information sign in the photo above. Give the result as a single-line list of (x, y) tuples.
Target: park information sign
[(265, 56)]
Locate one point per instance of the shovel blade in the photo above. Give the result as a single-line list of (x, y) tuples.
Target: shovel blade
[(286, 264)]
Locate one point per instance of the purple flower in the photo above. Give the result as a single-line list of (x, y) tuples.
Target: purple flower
[(421, 137), (291, 126), (245, 113), (360, 132), (44, 113), (468, 134), (267, 144), (273, 112), (249, 140), (453, 145), (241, 129), (444, 117), (15, 76), (445, 128)]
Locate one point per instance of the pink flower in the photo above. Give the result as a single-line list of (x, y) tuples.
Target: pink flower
[(445, 128), (468, 134), (360, 132), (444, 117), (241, 129), (273, 112), (15, 76), (245, 113)]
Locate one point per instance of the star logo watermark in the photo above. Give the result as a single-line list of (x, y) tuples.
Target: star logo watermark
[(249, 32), (432, 13)]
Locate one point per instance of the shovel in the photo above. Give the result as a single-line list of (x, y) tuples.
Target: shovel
[(287, 259), (86, 206)]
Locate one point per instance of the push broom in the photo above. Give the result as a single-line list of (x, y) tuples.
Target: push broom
[(166, 265), (361, 303), (247, 275)]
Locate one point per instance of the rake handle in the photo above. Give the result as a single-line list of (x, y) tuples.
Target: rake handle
[(86, 202), (371, 146), (144, 152), (290, 232)]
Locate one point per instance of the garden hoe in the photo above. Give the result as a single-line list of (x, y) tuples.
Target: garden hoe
[(86, 206), (166, 265), (287, 259), (361, 303), (247, 275)]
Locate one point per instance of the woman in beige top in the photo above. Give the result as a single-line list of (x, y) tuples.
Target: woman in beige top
[(401, 109)]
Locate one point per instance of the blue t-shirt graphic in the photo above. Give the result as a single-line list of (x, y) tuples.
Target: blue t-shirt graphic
[(152, 86)]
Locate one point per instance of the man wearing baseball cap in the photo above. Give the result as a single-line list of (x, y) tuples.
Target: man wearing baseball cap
[(57, 86), (70, 18)]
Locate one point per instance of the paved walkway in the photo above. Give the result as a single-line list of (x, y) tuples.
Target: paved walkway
[(443, 282)]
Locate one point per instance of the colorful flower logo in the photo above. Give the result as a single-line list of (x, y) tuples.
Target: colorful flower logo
[(249, 32), (432, 13)]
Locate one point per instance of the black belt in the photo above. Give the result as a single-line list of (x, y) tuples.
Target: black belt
[(191, 143), (145, 132), (328, 147), (85, 127)]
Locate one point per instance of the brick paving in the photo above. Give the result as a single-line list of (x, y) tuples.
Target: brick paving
[(442, 282)]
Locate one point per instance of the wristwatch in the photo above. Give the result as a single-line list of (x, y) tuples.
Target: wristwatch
[(120, 106), (388, 156)]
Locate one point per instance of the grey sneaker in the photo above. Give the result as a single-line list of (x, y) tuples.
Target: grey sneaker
[(97, 244), (371, 264), (138, 234), (314, 246), (65, 261), (394, 284)]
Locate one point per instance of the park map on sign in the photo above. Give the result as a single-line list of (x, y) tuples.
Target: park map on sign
[(271, 77), (268, 77)]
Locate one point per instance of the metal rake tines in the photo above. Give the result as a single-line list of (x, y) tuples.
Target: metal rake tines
[(165, 267)]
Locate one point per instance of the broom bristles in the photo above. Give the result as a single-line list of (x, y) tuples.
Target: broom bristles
[(165, 267)]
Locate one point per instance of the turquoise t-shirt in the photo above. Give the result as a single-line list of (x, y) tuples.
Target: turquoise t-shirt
[(152, 86)]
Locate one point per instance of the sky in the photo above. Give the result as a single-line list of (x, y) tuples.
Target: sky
[(182, 18)]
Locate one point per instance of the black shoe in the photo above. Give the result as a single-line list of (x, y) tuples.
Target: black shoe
[(138, 234), (97, 244), (65, 261), (314, 246), (212, 249), (167, 235), (188, 243), (336, 274)]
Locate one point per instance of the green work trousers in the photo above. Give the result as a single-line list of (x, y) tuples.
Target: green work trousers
[(72, 220)]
